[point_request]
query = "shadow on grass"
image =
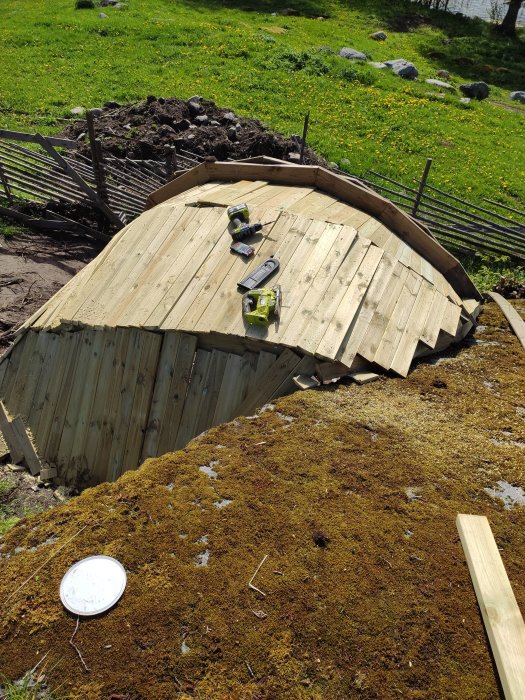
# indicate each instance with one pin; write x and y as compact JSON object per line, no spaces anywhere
{"x":303,"y":8}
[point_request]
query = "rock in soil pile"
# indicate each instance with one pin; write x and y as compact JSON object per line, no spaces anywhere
{"x":146,"y":130}
{"x":351,"y":492}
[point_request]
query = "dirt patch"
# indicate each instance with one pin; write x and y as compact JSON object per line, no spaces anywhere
{"x":18,"y":497}
{"x":365,"y":590}
{"x":145,"y":131}
{"x":33,"y":267}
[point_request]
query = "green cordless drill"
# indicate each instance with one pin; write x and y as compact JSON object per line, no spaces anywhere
{"x":239,"y":216}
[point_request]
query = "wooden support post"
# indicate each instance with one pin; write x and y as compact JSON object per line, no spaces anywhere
{"x":97,"y":158}
{"x":305,"y":132}
{"x":93,"y":196}
{"x":5,"y":184}
{"x":501,"y":615}
{"x":171,"y":162}
{"x":421,"y":186}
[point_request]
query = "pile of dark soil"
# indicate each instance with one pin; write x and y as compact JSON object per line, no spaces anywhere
{"x":510,"y":288}
{"x":352,"y":492}
{"x":146,"y":130}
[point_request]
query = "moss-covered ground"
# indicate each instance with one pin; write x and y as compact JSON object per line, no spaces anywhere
{"x":351,"y":492}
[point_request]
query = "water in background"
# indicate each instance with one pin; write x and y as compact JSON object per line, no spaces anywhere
{"x":483,"y":8}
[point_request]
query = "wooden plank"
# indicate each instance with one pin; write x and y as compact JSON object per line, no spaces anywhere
{"x":408,"y":342}
{"x":398,"y":321}
{"x":235,"y":193}
{"x":83,"y":389}
{"x":28,"y":450}
{"x":271,"y":380}
{"x":432,"y":325}
{"x":177,"y":395}
{"x":56,"y":413}
{"x":194,"y":399}
{"x":451,"y":318}
{"x":375,"y":292}
{"x":136,"y":342}
{"x":55,"y":348}
{"x":34,"y":373}
{"x":501,"y":614}
{"x":364,"y":377}
{"x":192,"y":178}
{"x":212,"y":388}
{"x":222,"y":305}
{"x":115,"y":286}
{"x":165,"y":371}
{"x":306,"y":365}
{"x":108,"y":406}
{"x":322,"y":267}
{"x":31,"y":138}
{"x":280,"y":197}
{"x":144,"y":387}
{"x":83,"y":452}
{"x":200,"y":241}
{"x":516,"y":322}
{"x":402,"y":225}
{"x":329,"y":303}
{"x":341,"y":323}
{"x":472,"y":307}
{"x":52,"y":415}
{"x":383,"y":312}
{"x":10,"y":436}
{"x":18,"y":391}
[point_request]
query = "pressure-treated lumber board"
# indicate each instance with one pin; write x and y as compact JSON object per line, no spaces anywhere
{"x":329,"y":302}
{"x":28,"y":449}
{"x":180,"y":382}
{"x":432,"y":325}
{"x":149,"y":359}
{"x":516,"y":322}
{"x":22,"y":375}
{"x":270,"y":381}
{"x":232,"y":194}
{"x":501,"y":615}
{"x":345,"y":313}
{"x":213,"y":383}
{"x":379,"y":322}
{"x":136,"y":342}
{"x":79,"y":348}
{"x":451,"y":318}
{"x":10,"y":436}
{"x":194,"y":399}
{"x":398,"y":320}
{"x":165,"y":371}
{"x":407,"y":344}
{"x":472,"y":307}
{"x":376,"y":289}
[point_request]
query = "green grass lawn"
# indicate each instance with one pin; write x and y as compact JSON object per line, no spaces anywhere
{"x":274,"y":67}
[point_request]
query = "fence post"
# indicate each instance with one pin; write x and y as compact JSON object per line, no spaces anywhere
{"x":98,"y":159}
{"x":305,"y":131}
{"x":421,"y":187}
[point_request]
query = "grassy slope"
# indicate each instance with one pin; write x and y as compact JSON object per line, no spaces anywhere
{"x":55,"y":57}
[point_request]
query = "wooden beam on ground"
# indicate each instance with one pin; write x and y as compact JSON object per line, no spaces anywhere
{"x":10,"y":436}
{"x":512,"y":316}
{"x":501,"y":615}
{"x":32,"y":138}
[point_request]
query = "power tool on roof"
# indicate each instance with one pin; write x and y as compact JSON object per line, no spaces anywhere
{"x":239,"y":216}
{"x":259,"y":304}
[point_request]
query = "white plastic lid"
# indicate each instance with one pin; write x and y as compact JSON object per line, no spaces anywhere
{"x":93,"y":585}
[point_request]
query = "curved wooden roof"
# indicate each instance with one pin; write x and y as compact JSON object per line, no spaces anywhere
{"x":359,"y":277}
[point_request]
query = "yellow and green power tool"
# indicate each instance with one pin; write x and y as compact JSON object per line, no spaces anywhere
{"x":259,"y":304}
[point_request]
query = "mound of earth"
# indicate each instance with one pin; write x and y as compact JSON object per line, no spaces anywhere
{"x":146,"y":130}
{"x":350,"y":492}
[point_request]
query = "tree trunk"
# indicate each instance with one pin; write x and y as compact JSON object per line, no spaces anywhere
{"x":508,"y":26}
